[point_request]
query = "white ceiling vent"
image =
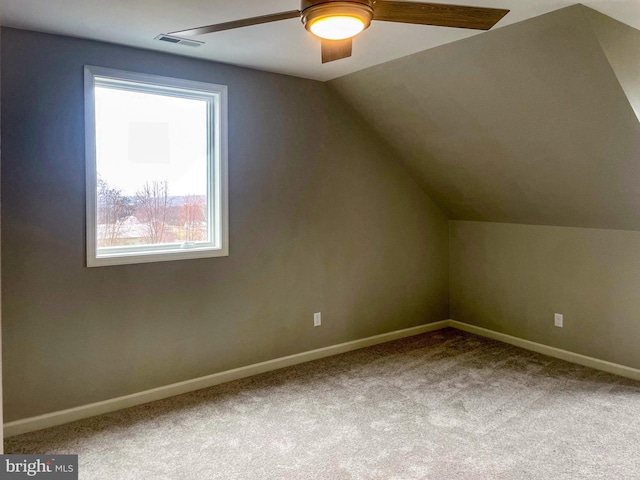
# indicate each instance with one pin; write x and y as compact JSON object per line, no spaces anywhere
{"x":178,"y":41}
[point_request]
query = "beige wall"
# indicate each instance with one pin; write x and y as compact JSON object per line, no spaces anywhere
{"x":528,"y":124}
{"x":322,"y":218}
{"x":513,"y":278}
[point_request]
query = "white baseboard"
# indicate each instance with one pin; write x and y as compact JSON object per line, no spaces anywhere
{"x":65,"y":416}
{"x":78,"y":413}
{"x":577,"y":358}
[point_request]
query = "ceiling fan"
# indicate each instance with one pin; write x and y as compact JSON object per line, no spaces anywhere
{"x":337,"y":22}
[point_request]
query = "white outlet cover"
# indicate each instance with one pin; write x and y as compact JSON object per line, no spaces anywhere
{"x":559,"y":320}
{"x":317,"y":319}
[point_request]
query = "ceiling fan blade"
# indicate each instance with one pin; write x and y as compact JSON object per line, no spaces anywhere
{"x":245,"y":22}
{"x":442,"y":15}
{"x":336,"y":49}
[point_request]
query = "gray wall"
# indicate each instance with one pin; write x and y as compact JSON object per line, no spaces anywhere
{"x":322,"y":219}
{"x":513,"y":278}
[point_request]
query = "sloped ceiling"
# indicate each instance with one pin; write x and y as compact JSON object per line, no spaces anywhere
{"x":621,"y":45}
{"x":531,"y":123}
{"x":284,"y":47}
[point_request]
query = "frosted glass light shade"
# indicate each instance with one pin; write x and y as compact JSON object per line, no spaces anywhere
{"x":338,"y":27}
{"x":337,"y":20}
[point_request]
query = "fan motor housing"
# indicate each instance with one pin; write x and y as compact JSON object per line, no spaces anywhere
{"x":310,"y":3}
{"x":315,"y":9}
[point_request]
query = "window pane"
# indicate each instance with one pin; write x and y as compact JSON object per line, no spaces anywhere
{"x":156,"y":152}
{"x":151,"y":165}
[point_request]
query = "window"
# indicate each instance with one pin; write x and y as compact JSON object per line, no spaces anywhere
{"x":156,"y":152}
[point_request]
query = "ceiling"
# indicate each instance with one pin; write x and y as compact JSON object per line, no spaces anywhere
{"x":283,"y":47}
{"x":532,"y":124}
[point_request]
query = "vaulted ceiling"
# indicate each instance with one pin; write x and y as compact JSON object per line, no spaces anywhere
{"x":531,"y":123}
{"x":535,"y":122}
{"x":283,"y":47}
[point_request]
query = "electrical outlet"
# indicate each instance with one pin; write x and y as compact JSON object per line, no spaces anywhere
{"x":317,"y":319}
{"x":559,"y":320}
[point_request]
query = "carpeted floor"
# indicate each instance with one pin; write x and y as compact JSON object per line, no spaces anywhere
{"x":444,"y":405}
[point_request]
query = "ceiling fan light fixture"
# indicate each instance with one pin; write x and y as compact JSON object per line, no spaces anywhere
{"x":337,"y":20}
{"x":337,"y":27}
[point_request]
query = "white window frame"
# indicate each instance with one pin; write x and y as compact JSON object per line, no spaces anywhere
{"x":217,"y":168}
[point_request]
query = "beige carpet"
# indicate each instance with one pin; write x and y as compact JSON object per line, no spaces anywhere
{"x":444,"y":405}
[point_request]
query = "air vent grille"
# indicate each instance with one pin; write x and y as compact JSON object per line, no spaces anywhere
{"x":178,"y":41}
